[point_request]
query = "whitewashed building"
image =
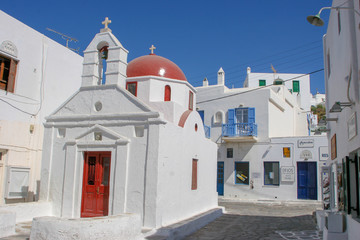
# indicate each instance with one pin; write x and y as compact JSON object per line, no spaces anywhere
{"x":341,"y":176}
{"x":36,"y":75}
{"x":298,"y":84}
{"x":129,"y":141}
{"x":264,"y":148}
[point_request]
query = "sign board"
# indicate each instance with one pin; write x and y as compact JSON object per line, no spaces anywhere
{"x":9,"y":47}
{"x":287,"y":174}
{"x":306,"y":143}
{"x":333,"y":147}
{"x":323,"y":153}
{"x":305,"y":154}
{"x":286,"y":152}
{"x":256,"y":175}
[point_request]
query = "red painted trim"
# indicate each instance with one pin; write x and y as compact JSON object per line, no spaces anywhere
{"x":135,"y":87}
{"x":183,"y":118}
{"x":191,"y":100}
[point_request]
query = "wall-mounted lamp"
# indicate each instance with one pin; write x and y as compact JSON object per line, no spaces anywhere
{"x":339,"y":106}
{"x":321,"y":130}
{"x":317,"y":21}
{"x":331,"y":119}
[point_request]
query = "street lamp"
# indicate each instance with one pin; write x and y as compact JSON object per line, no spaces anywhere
{"x":317,"y":21}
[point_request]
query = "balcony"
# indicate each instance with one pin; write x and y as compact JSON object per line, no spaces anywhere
{"x":207,"y":131}
{"x":239,"y":132}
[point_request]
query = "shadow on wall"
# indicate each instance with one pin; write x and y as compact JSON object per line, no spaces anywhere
{"x":30,"y":196}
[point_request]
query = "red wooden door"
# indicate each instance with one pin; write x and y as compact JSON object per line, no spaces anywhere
{"x":95,"y":192}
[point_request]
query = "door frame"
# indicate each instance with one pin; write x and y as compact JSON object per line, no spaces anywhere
{"x":85,"y":156}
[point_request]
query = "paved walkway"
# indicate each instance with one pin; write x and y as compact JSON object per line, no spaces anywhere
{"x":267,"y":220}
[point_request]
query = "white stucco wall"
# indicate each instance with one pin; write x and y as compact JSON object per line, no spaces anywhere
{"x":258,"y":153}
{"x":304,"y":81}
{"x":178,"y":147}
{"x":47,"y":74}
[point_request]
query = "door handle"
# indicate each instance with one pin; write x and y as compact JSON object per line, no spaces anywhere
{"x":97,"y":190}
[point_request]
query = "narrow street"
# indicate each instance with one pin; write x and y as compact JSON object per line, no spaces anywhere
{"x":266,"y":220}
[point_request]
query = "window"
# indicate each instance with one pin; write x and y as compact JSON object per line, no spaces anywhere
{"x":241,"y":115}
{"x":194,"y":174}
{"x":262,"y":82}
{"x":132,"y":87}
{"x":167,"y":94}
{"x":191,"y":100}
{"x":296,"y":86}
{"x":271,"y":173}
{"x":351,"y":186}
{"x":7,"y":74}
{"x":229,"y":152}
{"x":242,"y":173}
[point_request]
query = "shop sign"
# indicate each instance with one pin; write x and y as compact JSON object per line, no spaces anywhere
{"x":286,"y":152}
{"x":305,"y":154}
{"x":323,"y":153}
{"x":9,"y":47}
{"x":287,"y":174}
{"x":306,"y":143}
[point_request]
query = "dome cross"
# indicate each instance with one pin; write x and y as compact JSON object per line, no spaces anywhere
{"x":152,"y":48}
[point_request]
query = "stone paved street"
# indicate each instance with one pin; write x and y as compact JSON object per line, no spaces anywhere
{"x":266,"y":220}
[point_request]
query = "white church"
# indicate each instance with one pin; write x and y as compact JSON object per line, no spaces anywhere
{"x":128,"y":148}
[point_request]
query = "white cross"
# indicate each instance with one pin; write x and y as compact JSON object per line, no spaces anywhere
{"x":106,"y":22}
{"x":152,"y":49}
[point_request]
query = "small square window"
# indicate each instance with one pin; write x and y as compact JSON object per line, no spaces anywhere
{"x":262,"y":82}
{"x":286,"y":152}
{"x":132,"y":87}
{"x":229,"y":153}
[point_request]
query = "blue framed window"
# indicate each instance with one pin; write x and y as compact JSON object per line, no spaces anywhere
{"x":241,"y":115}
{"x":242,"y":173}
{"x":271,"y":173}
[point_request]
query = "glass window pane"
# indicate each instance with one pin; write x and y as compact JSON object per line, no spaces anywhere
{"x":91,"y":170}
{"x":271,"y":173}
{"x":106,"y":171}
{"x":242,"y":173}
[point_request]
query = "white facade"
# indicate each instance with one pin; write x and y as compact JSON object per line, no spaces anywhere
{"x":45,"y":74}
{"x":161,"y":165}
{"x":341,"y":55}
{"x":298,"y":84}
{"x":268,"y":132}
{"x":317,"y":99}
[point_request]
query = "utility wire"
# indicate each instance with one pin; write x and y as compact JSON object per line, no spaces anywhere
{"x":255,"y":89}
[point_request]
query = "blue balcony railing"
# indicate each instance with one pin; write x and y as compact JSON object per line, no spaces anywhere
{"x":239,"y":130}
{"x":207,"y":131}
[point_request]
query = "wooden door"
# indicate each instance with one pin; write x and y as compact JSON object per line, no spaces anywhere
{"x":307,"y":180}
{"x":95,"y":192}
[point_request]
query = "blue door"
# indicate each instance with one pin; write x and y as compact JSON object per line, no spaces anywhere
{"x":220,"y":178}
{"x":202,"y":115}
{"x":307,"y":180}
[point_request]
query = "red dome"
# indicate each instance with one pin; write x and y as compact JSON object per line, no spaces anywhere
{"x":153,"y":65}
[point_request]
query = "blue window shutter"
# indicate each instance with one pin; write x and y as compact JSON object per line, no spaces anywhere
{"x":251,"y":115}
{"x":202,"y":115}
{"x":231,"y":116}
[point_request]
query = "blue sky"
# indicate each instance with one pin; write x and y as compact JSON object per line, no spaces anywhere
{"x":199,"y":36}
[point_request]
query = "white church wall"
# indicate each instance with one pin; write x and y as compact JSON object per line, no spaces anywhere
{"x":41,"y":85}
{"x":179,"y":146}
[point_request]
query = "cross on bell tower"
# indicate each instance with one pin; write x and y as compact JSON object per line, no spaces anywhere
{"x":106,"y":22}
